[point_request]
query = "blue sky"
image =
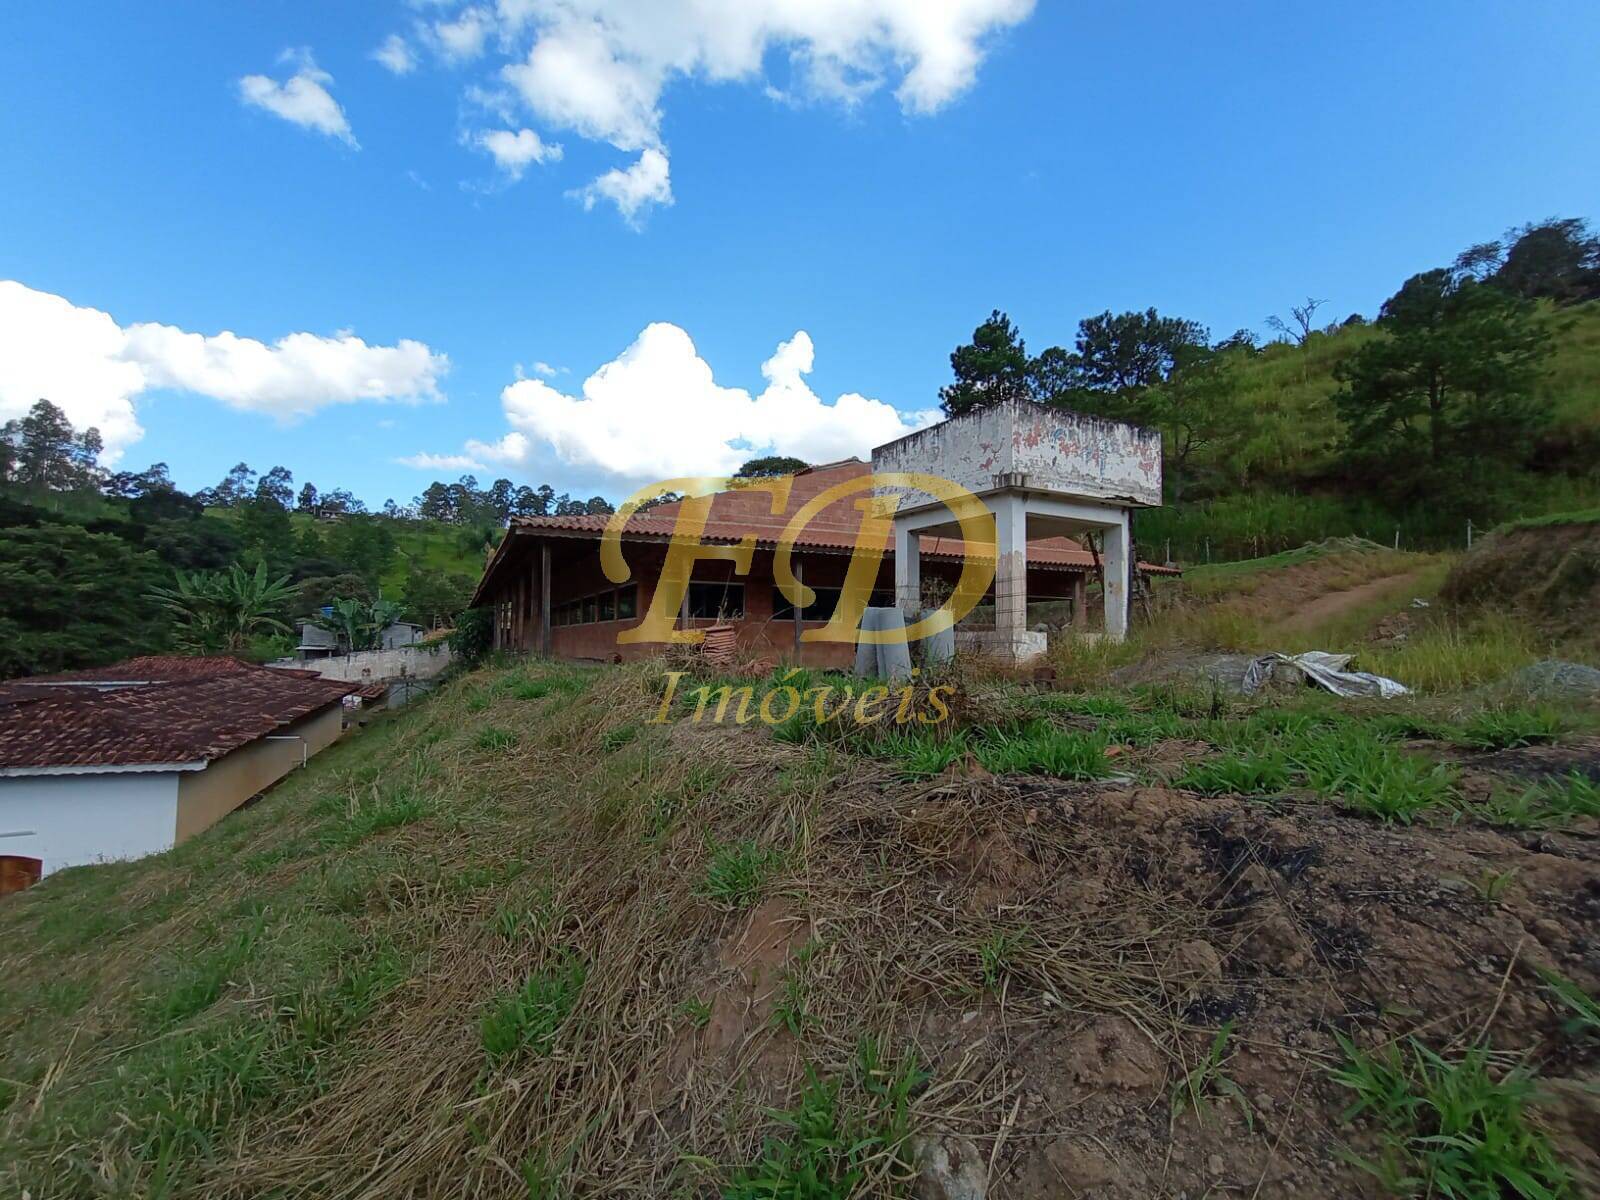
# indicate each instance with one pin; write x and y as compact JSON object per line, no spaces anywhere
{"x":846,"y":181}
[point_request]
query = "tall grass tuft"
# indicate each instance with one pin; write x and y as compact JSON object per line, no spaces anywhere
{"x":1449,"y":1127}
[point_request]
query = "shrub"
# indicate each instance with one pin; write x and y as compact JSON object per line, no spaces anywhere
{"x":473,"y":636}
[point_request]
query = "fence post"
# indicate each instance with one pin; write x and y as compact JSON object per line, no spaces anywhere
{"x":1208,"y":549}
{"x":1397,"y":537}
{"x":1469,"y":533}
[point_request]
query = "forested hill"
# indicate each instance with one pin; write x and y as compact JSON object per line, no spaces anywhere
{"x":1472,"y":395}
{"x":96,"y":567}
{"x":1283,"y":481}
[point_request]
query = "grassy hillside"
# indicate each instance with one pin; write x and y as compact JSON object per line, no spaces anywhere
{"x":520,"y":942}
{"x":1273,"y":494}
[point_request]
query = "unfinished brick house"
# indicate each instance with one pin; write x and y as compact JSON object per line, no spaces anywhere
{"x":551,"y":597}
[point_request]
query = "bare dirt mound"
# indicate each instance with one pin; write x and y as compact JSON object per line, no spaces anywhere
{"x":1546,"y":571}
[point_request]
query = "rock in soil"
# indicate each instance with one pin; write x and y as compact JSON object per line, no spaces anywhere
{"x":949,"y":1167}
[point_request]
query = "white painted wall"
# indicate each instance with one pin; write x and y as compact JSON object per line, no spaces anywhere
{"x":373,"y":666}
{"x":68,"y":820}
{"x":1058,"y":451}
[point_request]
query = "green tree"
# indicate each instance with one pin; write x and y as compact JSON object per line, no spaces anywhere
{"x":531,"y":502}
{"x":73,"y":599}
{"x":359,"y":624}
{"x":1123,"y":352}
{"x":277,"y":485}
{"x":266,"y":534}
{"x":1199,"y":409}
{"x":432,"y":597}
{"x":237,"y":485}
{"x":192,"y":544}
{"x":225,"y":611}
{"x":770,"y":465}
{"x":364,"y":542}
{"x":44,"y":451}
{"x":1445,"y":403}
{"x":1557,"y":259}
{"x":991,"y":369}
{"x":316,"y":592}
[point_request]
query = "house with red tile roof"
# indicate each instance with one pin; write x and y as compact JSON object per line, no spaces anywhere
{"x":132,"y":758}
{"x":551,"y":596}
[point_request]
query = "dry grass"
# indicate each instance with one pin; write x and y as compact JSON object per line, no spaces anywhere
{"x":418,"y":875}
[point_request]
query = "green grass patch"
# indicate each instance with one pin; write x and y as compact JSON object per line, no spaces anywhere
{"x":736,"y":873}
{"x":527,"y":1020}
{"x":833,"y":1142}
{"x":1041,"y":749}
{"x":1256,"y":773}
{"x":1548,"y":804}
{"x":1370,"y":775}
{"x":922,"y":752}
{"x":1452,"y":657}
{"x":1449,"y":1127}
{"x":493,"y":738}
{"x":1505,"y":727}
{"x":389,"y":808}
{"x":202,"y":980}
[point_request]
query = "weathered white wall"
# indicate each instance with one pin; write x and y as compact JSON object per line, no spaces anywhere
{"x":1057,"y":451}
{"x":205,"y":797}
{"x":371,"y":666}
{"x":78,"y":819}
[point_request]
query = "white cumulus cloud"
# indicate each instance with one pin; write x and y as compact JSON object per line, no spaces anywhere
{"x":441,"y":462}
{"x":600,"y":69}
{"x":395,"y":54}
{"x":303,"y":99}
{"x":657,"y":412}
{"x":633,"y":189}
{"x":462,"y":39}
{"x":95,"y":370}
{"x":513,"y":152}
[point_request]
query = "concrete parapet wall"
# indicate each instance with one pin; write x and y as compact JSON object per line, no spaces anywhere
{"x":1054,"y":450}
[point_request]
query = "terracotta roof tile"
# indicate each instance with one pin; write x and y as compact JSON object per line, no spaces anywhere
{"x":743,"y":511}
{"x":128,"y":715}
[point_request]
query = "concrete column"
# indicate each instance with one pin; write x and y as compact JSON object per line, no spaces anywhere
{"x":1114,"y":562}
{"x":1011,"y":567}
{"x":1080,"y":600}
{"x":907,"y":568}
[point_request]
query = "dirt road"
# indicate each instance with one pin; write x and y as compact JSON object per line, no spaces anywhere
{"x":1322,"y":609}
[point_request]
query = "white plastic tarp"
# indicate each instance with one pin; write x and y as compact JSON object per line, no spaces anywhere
{"x":1325,"y":670}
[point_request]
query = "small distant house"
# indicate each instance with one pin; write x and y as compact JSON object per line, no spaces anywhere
{"x":401,"y":633}
{"x":131,"y":759}
{"x":317,"y":642}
